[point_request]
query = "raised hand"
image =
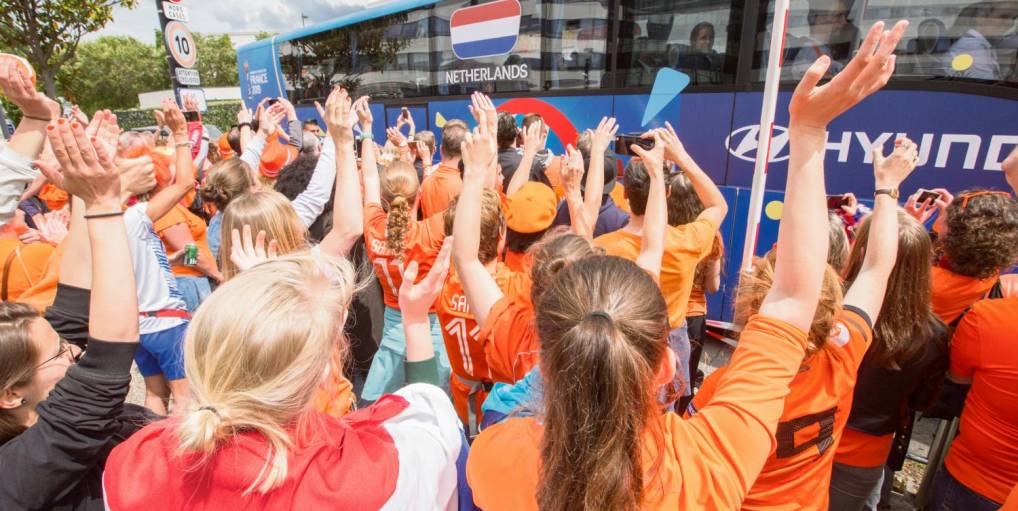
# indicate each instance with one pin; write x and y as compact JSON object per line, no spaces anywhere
{"x":246,"y":253}
{"x":483,"y":111}
{"x":86,"y":169}
{"x":921,"y":211}
{"x":190,"y":103}
{"x":816,"y":106}
{"x":572,"y":171}
{"x":268,"y":121}
{"x":890,"y":171}
{"x":340,"y":116}
{"x":480,"y":154}
{"x":534,"y":138}
{"x":16,"y":85}
{"x":603,"y":135}
{"x":137,"y":175}
{"x":396,"y":137}
{"x":175,"y":119}
{"x":291,"y":112}
{"x":78,"y":115}
{"x":415,"y":299}
{"x":653,"y":159}
{"x":362,"y":109}
{"x":244,"y":115}
{"x":423,"y":151}
{"x":674,"y":150}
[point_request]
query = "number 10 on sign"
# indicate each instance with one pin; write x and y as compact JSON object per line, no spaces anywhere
{"x":181,"y":44}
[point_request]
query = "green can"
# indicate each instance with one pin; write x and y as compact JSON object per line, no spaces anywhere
{"x":191,"y":254}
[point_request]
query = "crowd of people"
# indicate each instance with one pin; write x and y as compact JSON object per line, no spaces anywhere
{"x":343,"y":323}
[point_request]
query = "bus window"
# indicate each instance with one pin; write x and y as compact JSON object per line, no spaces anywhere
{"x":515,"y":71}
{"x":698,"y":38}
{"x":970,"y":41}
{"x":574,"y":42}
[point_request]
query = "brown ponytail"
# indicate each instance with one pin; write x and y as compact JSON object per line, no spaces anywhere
{"x":603,"y":326}
{"x":18,"y":357}
{"x":399,"y":189}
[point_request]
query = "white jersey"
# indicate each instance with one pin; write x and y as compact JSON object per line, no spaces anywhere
{"x":157,"y":287}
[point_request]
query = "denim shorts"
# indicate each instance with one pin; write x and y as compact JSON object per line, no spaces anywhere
{"x":949,"y":494}
{"x":162,"y":352}
{"x":388,"y":368}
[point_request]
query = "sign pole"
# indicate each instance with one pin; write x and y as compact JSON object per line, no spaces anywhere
{"x":775,"y":56}
{"x":181,"y":51}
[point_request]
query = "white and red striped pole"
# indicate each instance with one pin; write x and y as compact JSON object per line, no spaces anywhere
{"x":775,"y":57}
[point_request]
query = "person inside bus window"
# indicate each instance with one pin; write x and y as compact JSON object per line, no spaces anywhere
{"x":976,"y":29}
{"x":831,"y":33}
{"x":701,"y":61}
{"x":928,"y":47}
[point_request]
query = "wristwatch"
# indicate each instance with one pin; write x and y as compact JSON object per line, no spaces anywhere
{"x":893,"y":192}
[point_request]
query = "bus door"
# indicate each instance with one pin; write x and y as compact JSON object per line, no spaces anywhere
{"x":418,"y":112}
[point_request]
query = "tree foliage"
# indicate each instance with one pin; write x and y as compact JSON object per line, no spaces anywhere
{"x":217,"y":60}
{"x":47,"y":32}
{"x":110,"y":71}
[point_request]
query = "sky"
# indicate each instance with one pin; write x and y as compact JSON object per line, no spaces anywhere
{"x":220,"y":16}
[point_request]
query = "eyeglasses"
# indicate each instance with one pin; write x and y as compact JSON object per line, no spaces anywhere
{"x":65,"y":350}
{"x":965,"y":197}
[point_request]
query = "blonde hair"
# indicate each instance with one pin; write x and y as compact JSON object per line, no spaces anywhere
{"x":256,"y":353}
{"x":265,"y":210}
{"x":399,"y":190}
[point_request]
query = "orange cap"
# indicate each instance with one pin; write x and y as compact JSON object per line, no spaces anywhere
{"x":532,"y":208}
{"x":225,"y":151}
{"x":276,"y":156}
{"x":26,"y":68}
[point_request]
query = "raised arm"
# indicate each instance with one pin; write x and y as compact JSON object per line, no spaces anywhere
{"x":90,"y":174}
{"x":601,"y":137}
{"x":479,"y":157}
{"x":347,"y":215}
{"x":415,"y":300}
{"x":17,"y":154}
{"x":293,"y":129}
{"x":183,"y":177}
{"x":251,"y":153}
{"x":655,"y":220}
{"x":572,"y":174}
{"x":714,"y":205}
{"x":802,"y":249}
{"x":1010,"y":167}
{"x":532,"y":143}
{"x":870,"y":285}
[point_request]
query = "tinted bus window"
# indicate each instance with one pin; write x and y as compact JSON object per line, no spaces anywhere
{"x":969,"y":41}
{"x":699,"y":38}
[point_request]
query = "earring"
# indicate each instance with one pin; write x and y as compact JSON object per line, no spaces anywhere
{"x":24,"y":401}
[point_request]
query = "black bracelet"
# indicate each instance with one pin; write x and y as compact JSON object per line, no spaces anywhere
{"x":104,"y":215}
{"x":241,"y":125}
{"x":34,"y":118}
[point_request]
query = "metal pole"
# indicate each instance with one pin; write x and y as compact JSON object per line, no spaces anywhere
{"x":174,"y":85}
{"x":779,"y":26}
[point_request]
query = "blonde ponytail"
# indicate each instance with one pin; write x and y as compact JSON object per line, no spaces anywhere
{"x":399,"y":189}
{"x":256,"y":353}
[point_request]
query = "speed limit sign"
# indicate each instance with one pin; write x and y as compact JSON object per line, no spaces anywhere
{"x":181,"y":44}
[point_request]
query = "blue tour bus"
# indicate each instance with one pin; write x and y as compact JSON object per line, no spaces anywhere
{"x":576,"y":61}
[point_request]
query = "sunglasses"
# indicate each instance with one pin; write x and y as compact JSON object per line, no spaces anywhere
{"x":965,"y":197}
{"x":65,"y":349}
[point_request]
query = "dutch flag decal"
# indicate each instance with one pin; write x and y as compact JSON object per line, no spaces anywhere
{"x":485,"y":30}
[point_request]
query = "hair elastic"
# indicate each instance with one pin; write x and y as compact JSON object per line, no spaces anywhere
{"x":211,"y":409}
{"x":600,"y":314}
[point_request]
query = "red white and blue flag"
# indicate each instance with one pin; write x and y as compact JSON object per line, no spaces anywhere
{"x":485,"y":30}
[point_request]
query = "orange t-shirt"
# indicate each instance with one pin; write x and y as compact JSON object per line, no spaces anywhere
{"x":685,"y":246}
{"x":54,"y":197}
{"x":439,"y":189}
{"x":460,"y":329}
{"x":509,"y":337}
{"x":858,"y":449}
{"x":984,"y":456}
{"x":422,"y":244}
{"x":1012,"y":501}
{"x":180,"y":215}
{"x":708,"y":461}
{"x":953,"y":293}
{"x":335,"y":395}
{"x":618,"y":194}
{"x":44,"y":292}
{"x":815,"y":412}
{"x":28,"y":265}
{"x":516,"y":261}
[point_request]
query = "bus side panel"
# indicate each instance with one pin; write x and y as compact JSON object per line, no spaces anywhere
{"x":962,"y":140}
{"x":566,"y":117}
{"x":718,"y":304}
{"x":697,"y":118}
{"x":259,"y":72}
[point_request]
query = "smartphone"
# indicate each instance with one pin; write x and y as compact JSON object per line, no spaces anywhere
{"x":927,"y":196}
{"x":272,"y":101}
{"x":836,"y":201}
{"x":405,"y":114}
{"x":622,"y":143}
{"x":191,"y":117}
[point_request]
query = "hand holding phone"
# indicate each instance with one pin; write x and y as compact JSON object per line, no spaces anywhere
{"x":924,"y":196}
{"x":622,"y":143}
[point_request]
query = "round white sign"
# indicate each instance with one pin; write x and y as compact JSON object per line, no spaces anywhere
{"x":181,"y":44}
